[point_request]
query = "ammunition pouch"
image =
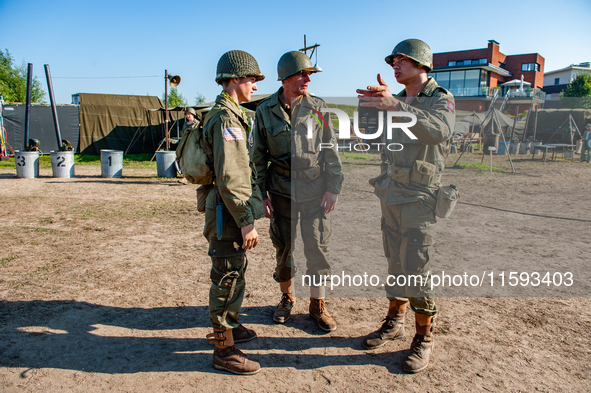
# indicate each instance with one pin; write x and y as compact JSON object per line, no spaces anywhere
{"x":422,"y":172}
{"x":399,"y":174}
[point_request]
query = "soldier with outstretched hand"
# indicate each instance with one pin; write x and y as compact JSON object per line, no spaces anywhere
{"x":407,"y":188}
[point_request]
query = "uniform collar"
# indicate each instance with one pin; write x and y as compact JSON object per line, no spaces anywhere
{"x":223,"y":101}
{"x":277,"y":105}
{"x":428,"y":90}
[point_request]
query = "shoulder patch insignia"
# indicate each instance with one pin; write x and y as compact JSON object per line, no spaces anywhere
{"x":251,"y":139}
{"x":232,"y":134}
{"x":451,"y":106}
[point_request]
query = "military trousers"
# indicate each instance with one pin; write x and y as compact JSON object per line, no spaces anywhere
{"x":228,"y":265}
{"x":315,"y":230}
{"x":586,"y":149}
{"x":408,"y":230}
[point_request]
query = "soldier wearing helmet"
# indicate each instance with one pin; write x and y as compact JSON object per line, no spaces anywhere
{"x":407,"y":188}
{"x":190,"y":122}
{"x":301,"y":182}
{"x":237,"y":198}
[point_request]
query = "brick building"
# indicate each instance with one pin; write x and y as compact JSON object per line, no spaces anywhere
{"x":473,"y":75}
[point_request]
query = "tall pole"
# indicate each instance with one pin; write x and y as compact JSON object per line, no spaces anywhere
{"x":58,"y":134}
{"x":514,"y":123}
{"x":166,"y":107}
{"x":531,"y":105}
{"x":28,"y":107}
{"x":535,"y":124}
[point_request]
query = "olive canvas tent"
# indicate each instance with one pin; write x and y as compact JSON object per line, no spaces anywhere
{"x":120,"y":122}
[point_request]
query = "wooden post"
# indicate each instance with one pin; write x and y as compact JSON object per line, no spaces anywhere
{"x":535,"y":124}
{"x":514,"y":123}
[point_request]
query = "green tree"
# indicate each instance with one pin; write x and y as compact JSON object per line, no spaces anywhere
{"x":13,"y":81}
{"x":175,"y":98}
{"x":578,"y":92}
{"x":199,"y":99}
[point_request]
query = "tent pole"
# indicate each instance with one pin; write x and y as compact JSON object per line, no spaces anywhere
{"x":166,"y":107}
{"x":28,"y":107}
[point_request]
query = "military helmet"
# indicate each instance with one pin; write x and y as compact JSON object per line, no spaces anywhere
{"x":414,"y":49}
{"x":237,"y":64}
{"x":293,"y":62}
{"x":191,"y":111}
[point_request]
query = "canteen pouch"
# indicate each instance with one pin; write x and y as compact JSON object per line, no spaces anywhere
{"x":447,"y":197}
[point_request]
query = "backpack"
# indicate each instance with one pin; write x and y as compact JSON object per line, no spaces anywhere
{"x":191,"y":156}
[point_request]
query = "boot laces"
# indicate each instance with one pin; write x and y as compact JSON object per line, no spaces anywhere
{"x":236,"y":351}
{"x":386,"y":324}
{"x":285,"y":300}
{"x":321,"y":307}
{"x":418,"y":344}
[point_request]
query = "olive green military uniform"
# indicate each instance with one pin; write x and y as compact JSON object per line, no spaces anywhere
{"x":408,"y":189}
{"x":296,"y":179}
{"x":225,"y":143}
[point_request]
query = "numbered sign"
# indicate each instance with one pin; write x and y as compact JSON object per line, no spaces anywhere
{"x":62,"y":163}
{"x":27,"y":164}
{"x":111,"y":163}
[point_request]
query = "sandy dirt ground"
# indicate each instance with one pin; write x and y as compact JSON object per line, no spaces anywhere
{"x":104,"y":286}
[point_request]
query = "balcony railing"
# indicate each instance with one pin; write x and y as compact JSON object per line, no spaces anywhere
{"x":489,"y":92}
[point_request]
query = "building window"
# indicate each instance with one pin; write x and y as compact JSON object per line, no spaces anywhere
{"x":451,"y":63}
{"x":501,"y":65}
{"x":442,"y":79}
{"x":556,"y":81}
{"x":530,"y":67}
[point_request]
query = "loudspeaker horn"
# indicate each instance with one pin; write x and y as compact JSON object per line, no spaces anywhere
{"x":174,"y":80}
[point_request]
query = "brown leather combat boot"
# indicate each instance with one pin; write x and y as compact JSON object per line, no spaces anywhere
{"x":392,"y":328}
{"x":421,"y":348}
{"x":229,"y":358}
{"x":283,"y":311}
{"x":242,"y":334}
{"x":319,"y":313}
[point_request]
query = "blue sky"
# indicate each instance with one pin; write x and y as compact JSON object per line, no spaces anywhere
{"x":103,"y":47}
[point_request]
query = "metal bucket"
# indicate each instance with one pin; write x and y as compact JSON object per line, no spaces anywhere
{"x":62,"y":163}
{"x":533,"y":145}
{"x":524,"y":148}
{"x":453,"y":149}
{"x":111,"y":163}
{"x":165,"y":163}
{"x":569,"y":154}
{"x":514,"y":148}
{"x":503,"y":148}
{"x":27,"y":164}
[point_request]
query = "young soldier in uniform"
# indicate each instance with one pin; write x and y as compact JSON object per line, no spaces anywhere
{"x":301,"y":182}
{"x":407,"y":188}
{"x":234,"y":203}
